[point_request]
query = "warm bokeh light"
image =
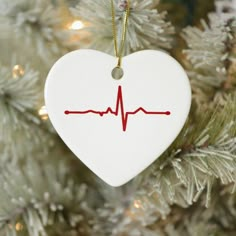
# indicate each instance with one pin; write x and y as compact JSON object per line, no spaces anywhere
{"x":19,"y":227}
{"x":43,"y":113}
{"x":137,"y":204}
{"x":17,"y":71}
{"x":76,"y":25}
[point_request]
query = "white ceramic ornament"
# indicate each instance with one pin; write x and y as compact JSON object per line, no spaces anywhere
{"x":117,"y":127}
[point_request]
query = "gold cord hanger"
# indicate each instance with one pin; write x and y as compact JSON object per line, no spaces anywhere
{"x":117,"y":72}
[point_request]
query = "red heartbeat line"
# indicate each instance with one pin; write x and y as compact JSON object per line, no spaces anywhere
{"x":119,"y":109}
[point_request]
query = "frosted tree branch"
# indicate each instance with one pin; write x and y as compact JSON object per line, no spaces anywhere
{"x":147,"y":28}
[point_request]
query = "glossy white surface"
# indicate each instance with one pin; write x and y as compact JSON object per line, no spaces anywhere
{"x":81,"y":80}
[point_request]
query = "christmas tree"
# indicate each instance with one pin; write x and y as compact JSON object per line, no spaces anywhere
{"x":189,"y":190}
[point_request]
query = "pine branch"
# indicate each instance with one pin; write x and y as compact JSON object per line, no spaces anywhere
{"x":218,"y":219}
{"x":147,"y":27}
{"x":200,"y":155}
{"x":21,"y":128}
{"x":39,"y":195}
{"x":41,"y":26}
{"x":211,"y":57}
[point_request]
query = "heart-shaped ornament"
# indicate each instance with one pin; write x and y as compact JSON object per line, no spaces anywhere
{"x":117,"y":127}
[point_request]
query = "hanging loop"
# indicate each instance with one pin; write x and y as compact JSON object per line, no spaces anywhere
{"x":119,"y":52}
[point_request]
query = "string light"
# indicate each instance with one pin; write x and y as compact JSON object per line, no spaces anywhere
{"x":137,"y":204}
{"x":17,"y":71}
{"x":43,"y":113}
{"x":19,"y":227}
{"x":76,"y":25}
{"x":136,"y":210}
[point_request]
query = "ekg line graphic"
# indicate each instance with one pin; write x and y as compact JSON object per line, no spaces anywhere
{"x":119,"y":109}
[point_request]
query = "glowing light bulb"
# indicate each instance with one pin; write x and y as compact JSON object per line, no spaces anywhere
{"x":137,"y":204}
{"x":43,"y":113}
{"x":17,"y":71}
{"x":76,"y":25}
{"x":19,"y":227}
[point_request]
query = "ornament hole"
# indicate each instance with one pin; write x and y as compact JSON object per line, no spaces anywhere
{"x":117,"y":73}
